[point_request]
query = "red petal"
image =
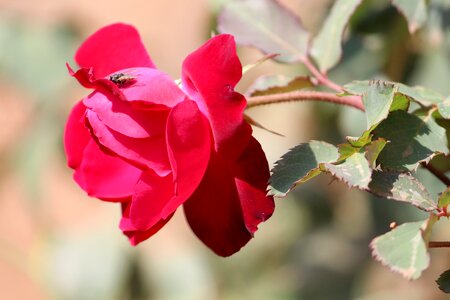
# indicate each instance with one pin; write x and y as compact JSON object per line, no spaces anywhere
{"x":134,"y":235}
{"x":189,"y":144}
{"x":252,"y":174}
{"x":113,"y":48}
{"x":124,"y":118}
{"x":76,"y":135}
{"x":105,"y":176}
{"x":230,"y":202}
{"x":209,"y":77}
{"x":147,"y":153}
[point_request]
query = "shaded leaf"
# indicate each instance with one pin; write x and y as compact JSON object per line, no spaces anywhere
{"x":412,"y":139}
{"x":300,"y":164}
{"x":444,"y":198}
{"x":415,"y":12}
{"x":266,"y":25}
{"x":403,"y":250}
{"x":444,"y":282}
{"x":354,"y":171}
{"x":373,"y":150}
{"x":401,"y":187}
{"x":276,"y":84}
{"x":326,"y":47}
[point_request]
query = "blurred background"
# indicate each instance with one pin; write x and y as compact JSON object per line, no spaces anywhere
{"x":57,"y":243}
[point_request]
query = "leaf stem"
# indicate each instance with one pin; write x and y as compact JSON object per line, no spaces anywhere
{"x":321,"y":78}
{"x":441,"y":176}
{"x":353,"y":101}
{"x":437,"y":244}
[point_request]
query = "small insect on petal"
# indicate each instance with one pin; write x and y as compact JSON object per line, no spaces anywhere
{"x":121,"y":79}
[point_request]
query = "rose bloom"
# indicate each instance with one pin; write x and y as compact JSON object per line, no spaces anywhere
{"x":142,"y":140}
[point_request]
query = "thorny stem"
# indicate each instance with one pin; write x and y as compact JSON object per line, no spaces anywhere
{"x":354,"y":101}
{"x":438,"y":244}
{"x":441,"y":176}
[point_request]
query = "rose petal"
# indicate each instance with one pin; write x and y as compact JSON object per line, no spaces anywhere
{"x":251,"y":176}
{"x":226,"y":208}
{"x":134,"y":235}
{"x":105,"y":176}
{"x":209,"y":77}
{"x":113,"y":48}
{"x":146,"y":153}
{"x":76,"y":135}
{"x":125,"y":119}
{"x":151,"y":86}
{"x":189,"y":144}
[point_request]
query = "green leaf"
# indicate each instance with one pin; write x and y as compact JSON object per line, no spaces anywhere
{"x":377,"y":100}
{"x":444,"y":108}
{"x":403,"y":250}
{"x":266,"y":25}
{"x":299,"y":165}
{"x":326,"y":47}
{"x":444,"y":282}
{"x":373,"y":151}
{"x":421,"y":95}
{"x":401,"y":187}
{"x":354,"y":171}
{"x":444,"y":198}
{"x":276,"y":84}
{"x":361,"y":141}
{"x":412,"y":139}
{"x":415,"y":12}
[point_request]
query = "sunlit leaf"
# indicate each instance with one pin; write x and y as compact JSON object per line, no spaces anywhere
{"x":354,"y":171}
{"x":266,"y":25}
{"x":276,"y":84}
{"x":412,"y":139}
{"x":373,"y":151}
{"x":444,"y":198}
{"x":415,"y":12}
{"x":403,"y":250}
{"x":326,"y":47}
{"x":299,"y":165}
{"x":401,"y":187}
{"x":444,"y":108}
{"x":377,"y":100}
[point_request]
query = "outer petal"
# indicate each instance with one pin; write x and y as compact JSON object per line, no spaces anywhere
{"x":105,"y":176}
{"x":112,"y":48}
{"x":209,"y":77}
{"x":134,"y":235}
{"x":230,"y":202}
{"x":189,"y":145}
{"x":146,"y":153}
{"x":76,"y":135}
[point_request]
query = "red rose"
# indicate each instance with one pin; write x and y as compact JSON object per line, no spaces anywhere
{"x":142,"y":140}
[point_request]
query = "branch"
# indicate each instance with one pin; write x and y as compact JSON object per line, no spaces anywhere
{"x":353,"y":101}
{"x":441,"y":176}
{"x":438,"y":244}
